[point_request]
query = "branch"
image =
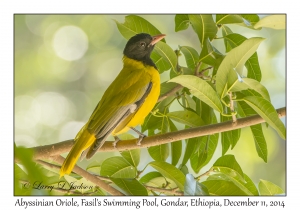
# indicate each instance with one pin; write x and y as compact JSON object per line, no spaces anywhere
{"x":169,"y":93}
{"x":173,"y":191}
{"x":44,"y":152}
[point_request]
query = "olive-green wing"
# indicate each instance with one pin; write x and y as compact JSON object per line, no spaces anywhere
{"x":121,"y":99}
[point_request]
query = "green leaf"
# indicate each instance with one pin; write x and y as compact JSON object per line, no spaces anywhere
{"x":249,"y":20}
{"x":191,"y":56}
{"x":245,"y":110}
{"x":207,"y":144}
{"x":166,"y":87}
{"x":34,"y":171}
{"x":206,"y":113}
{"x":260,"y":142}
{"x":272,"y":21}
{"x":226,"y":139}
{"x":190,"y":103}
{"x":19,"y":188}
{"x":159,"y":152}
{"x":225,"y":19}
{"x":79,"y":182}
{"x":117,"y":167}
{"x":184,"y":169}
{"x":266,"y":110}
{"x":235,"y":59}
{"x":253,"y":68}
{"x":204,"y":26}
{"x":155,"y":179}
{"x":269,"y":188}
{"x":150,"y":176}
{"x":222,"y":187}
{"x":19,"y":172}
{"x":248,"y":83}
{"x":226,"y":142}
{"x":130,"y":186}
{"x":252,"y":63}
{"x":225,"y":31}
{"x":153,"y":122}
{"x":235,"y":136}
{"x":250,"y":185}
{"x":229,"y":138}
{"x":234,"y":179}
{"x":191,"y":145}
{"x":163,"y":55}
{"x":205,"y":152}
{"x":227,"y":164}
{"x":246,"y":185}
{"x":176,"y":147}
{"x":181,"y":22}
{"x":192,"y":187}
{"x":209,"y":53}
{"x":201,"y":89}
{"x":252,"y":18}
{"x":217,"y":65}
{"x":186,"y":117}
{"x":132,"y":156}
{"x":170,"y":172}
{"x":199,"y":158}
{"x":135,"y":24}
{"x":182,"y":71}
{"x":94,"y":167}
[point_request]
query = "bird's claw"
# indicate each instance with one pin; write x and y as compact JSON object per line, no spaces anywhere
{"x":117,"y":139}
{"x":141,"y":137}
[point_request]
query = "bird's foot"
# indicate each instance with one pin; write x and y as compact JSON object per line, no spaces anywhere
{"x":141,"y":136}
{"x":117,"y":139}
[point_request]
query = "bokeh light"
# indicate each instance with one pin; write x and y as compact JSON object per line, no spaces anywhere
{"x":70,"y":43}
{"x":54,"y":108}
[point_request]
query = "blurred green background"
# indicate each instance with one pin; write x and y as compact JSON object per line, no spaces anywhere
{"x":64,"y":63}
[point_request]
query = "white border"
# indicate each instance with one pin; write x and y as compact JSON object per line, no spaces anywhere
{"x":8,"y":8}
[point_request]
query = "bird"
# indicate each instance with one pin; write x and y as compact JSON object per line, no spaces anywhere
{"x":124,"y":104}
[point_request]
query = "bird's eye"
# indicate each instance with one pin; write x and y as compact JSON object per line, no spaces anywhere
{"x":143,"y":44}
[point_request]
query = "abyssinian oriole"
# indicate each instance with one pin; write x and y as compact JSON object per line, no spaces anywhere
{"x":125,"y":103}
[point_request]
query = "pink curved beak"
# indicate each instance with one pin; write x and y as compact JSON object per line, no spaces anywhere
{"x":157,"y":38}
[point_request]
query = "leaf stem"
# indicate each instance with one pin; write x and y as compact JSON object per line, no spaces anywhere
{"x":204,"y":174}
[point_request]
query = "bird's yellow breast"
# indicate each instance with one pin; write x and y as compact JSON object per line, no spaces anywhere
{"x":152,"y":75}
{"x":151,"y":99}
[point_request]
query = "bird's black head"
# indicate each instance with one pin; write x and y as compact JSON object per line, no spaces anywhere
{"x":140,"y":46}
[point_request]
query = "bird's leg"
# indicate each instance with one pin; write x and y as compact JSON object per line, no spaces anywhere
{"x":141,"y":135}
{"x":117,"y":139}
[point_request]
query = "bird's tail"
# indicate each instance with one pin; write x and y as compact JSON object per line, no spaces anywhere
{"x":83,"y":140}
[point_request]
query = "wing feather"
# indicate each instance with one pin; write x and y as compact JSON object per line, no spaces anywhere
{"x":127,"y":89}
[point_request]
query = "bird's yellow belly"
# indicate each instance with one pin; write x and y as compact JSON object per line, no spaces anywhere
{"x":147,"y":106}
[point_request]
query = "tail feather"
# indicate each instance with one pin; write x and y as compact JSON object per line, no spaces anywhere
{"x":96,"y":145}
{"x":83,"y":141}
